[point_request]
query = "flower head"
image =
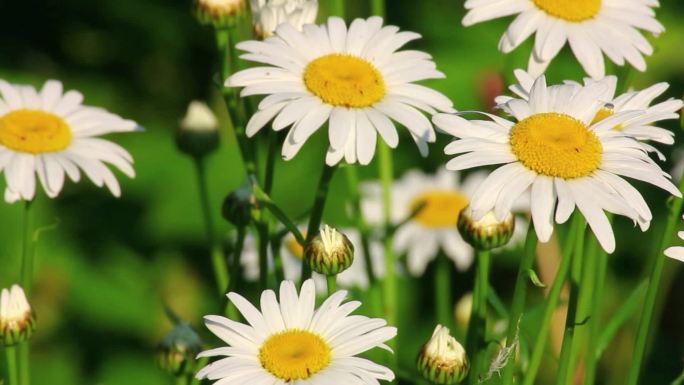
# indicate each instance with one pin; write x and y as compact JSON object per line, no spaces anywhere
{"x":291,"y":341}
{"x":435,"y":201}
{"x":17,"y":319}
{"x":220,"y":13}
{"x":353,"y":79}
{"x":51,"y":134}
{"x":269,"y":14}
{"x":590,"y":27}
{"x":640,"y":127}
{"x":197,"y":133}
{"x":488,"y":232}
{"x":330,"y":252}
{"x":557,"y":152}
{"x":443,"y":360}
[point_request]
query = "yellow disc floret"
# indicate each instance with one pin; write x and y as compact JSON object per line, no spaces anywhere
{"x":440,"y":209}
{"x":570,"y":10}
{"x":556,"y":145}
{"x":603,"y":113}
{"x":294,"y":355}
{"x":34,"y":132}
{"x":344,"y":81}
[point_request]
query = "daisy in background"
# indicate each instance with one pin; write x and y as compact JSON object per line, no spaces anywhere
{"x":676,"y":252}
{"x":590,"y":27}
{"x":292,"y":252}
{"x":290,"y":341}
{"x":51,"y":134}
{"x":268,"y":14}
{"x":556,"y":150}
{"x":639,"y":127}
{"x":354,"y":81}
{"x":443,"y":195}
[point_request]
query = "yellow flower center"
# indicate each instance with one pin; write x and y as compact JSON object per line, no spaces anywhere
{"x":344,"y":81}
{"x":34,"y":131}
{"x":556,"y":145}
{"x":294,"y":355}
{"x":294,"y":247}
{"x":605,"y":113}
{"x":440,"y":208}
{"x":570,"y":10}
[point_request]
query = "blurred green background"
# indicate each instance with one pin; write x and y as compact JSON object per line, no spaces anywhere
{"x":105,"y":266}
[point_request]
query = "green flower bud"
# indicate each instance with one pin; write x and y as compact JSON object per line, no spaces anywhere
{"x":198,"y":135}
{"x":238,"y":206}
{"x":443,"y":360}
{"x":17,"y":319}
{"x":487,"y":233}
{"x":220,"y":13}
{"x":177,"y":351}
{"x":330,"y":252}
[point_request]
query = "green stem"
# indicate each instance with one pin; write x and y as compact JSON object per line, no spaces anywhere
{"x":518,"y":304}
{"x":640,"y":344}
{"x":317,"y":211}
{"x":337,"y":8}
{"x":12,"y":371}
{"x":270,"y":161}
{"x":477,"y":328}
{"x":332,"y":284}
{"x":552,"y":300}
{"x":386,"y":171}
{"x":378,"y":8}
{"x":355,"y":198}
{"x":443,"y":289}
{"x":264,"y":240}
{"x":218,"y":258}
{"x":565,"y":370}
{"x":277,"y":259}
{"x":231,"y":311}
{"x":181,"y":380}
{"x":27,"y":250}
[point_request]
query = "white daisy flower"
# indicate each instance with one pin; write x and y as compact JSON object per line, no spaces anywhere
{"x":444,"y":195}
{"x":291,"y":253}
{"x":354,"y":80}
{"x":50,"y":133}
{"x":291,"y":342}
{"x":268,"y":14}
{"x":555,"y":151}
{"x":640,"y":127}
{"x":676,"y":252}
{"x":591,"y":28}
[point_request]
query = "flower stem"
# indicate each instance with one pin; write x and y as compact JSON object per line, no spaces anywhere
{"x":675,"y":208}
{"x":519,"y":299}
{"x":317,"y":211}
{"x":12,"y":372}
{"x":270,"y":161}
{"x":337,"y":8}
{"x":477,"y":327}
{"x":231,"y":311}
{"x":552,"y":300}
{"x":355,"y":197}
{"x":594,"y":323}
{"x":443,"y":289}
{"x":378,"y":8}
{"x":278,"y":267}
{"x":27,"y":250}
{"x":332,"y":284}
{"x":386,"y":171}
{"x":218,"y":258}
{"x":565,"y":371}
{"x":262,"y":229}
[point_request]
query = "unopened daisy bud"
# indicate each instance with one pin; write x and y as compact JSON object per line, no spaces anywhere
{"x":443,"y":360}
{"x":487,"y":233}
{"x":268,"y":14}
{"x":330,"y":252}
{"x":462,"y":310}
{"x":197,"y":134}
{"x":220,"y":13}
{"x":238,"y":206}
{"x":177,"y":351}
{"x":17,"y":319}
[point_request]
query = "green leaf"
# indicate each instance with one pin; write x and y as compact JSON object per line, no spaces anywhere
{"x":620,"y":317}
{"x":535,"y":279}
